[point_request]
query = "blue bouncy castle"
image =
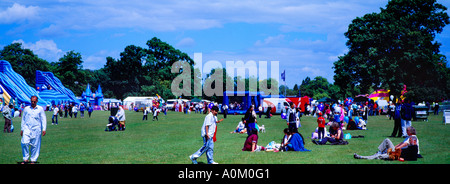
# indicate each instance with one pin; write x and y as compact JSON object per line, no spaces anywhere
{"x":92,"y":98}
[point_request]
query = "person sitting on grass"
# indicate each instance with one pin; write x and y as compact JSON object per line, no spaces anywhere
{"x":240,"y":127}
{"x":336,"y":136}
{"x":351,"y":125}
{"x":358,"y":124}
{"x":409,"y":148}
{"x":285,"y":139}
{"x":251,"y":143}
{"x":112,"y":123}
{"x":296,"y":142}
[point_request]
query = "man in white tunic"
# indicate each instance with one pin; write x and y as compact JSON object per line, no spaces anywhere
{"x":34,"y":123}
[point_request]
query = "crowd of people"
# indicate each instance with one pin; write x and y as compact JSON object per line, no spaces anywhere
{"x":69,"y":110}
{"x":338,"y":117}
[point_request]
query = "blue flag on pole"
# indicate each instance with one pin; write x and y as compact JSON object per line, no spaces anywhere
{"x":283,"y":75}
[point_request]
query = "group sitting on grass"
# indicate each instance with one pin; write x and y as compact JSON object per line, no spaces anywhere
{"x":294,"y":141}
{"x":291,"y":141}
{"x":335,"y":138}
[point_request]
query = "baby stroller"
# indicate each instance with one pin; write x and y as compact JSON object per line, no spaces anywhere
{"x":112,"y":123}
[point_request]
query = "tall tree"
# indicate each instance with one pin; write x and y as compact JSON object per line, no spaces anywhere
{"x":160,"y":58}
{"x":127,"y":73}
{"x":393,"y":48}
{"x":70,"y":71}
{"x":141,"y":71}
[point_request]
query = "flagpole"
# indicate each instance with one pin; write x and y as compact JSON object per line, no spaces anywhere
{"x":283,"y":77}
{"x":285,"y":85}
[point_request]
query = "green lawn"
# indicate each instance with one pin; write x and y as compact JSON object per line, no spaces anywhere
{"x":176,"y":136}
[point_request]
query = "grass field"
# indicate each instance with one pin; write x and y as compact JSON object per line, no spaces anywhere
{"x":176,"y":136}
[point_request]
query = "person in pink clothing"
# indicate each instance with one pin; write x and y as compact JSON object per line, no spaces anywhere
{"x":251,"y":143}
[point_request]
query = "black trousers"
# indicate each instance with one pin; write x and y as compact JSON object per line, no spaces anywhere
{"x":7,"y":127}
{"x":397,"y":128}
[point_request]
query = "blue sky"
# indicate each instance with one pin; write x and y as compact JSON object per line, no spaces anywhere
{"x":306,"y":37}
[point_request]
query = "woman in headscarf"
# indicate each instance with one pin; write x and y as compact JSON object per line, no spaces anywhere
{"x":296,"y":142}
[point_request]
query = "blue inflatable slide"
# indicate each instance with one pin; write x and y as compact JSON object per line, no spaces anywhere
{"x":16,"y":86}
{"x":52,"y":90}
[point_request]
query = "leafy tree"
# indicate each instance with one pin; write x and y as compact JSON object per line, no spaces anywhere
{"x":395,"y":47}
{"x":70,"y":71}
{"x":141,"y":71}
{"x":160,"y":58}
{"x":319,"y":87}
{"x":295,"y":88}
{"x":126,"y":74}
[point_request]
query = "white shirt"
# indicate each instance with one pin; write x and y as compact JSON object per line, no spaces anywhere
{"x":147,"y":110}
{"x":414,"y":137}
{"x":241,"y":125}
{"x":120,"y":115}
{"x":286,"y":138}
{"x":290,"y":111}
{"x":210,"y":121}
{"x":33,"y":120}
{"x":55,"y":111}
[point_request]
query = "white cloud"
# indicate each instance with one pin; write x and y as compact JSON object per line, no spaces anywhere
{"x":313,"y":71}
{"x":46,"y":49}
{"x":98,"y":59}
{"x":172,"y":15}
{"x":186,"y":42}
{"x":271,"y":40}
{"x":18,"y":13}
{"x":52,"y":31}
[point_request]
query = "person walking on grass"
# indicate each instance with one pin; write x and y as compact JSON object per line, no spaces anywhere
{"x":34,"y":124}
{"x":208,"y":131}
{"x":7,"y":114}
{"x":55,"y":115}
{"x":397,"y":120}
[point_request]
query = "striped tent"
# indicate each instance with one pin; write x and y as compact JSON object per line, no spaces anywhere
{"x":380,"y":94}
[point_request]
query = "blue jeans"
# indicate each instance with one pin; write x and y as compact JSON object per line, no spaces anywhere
{"x":53,"y":119}
{"x":208,"y":147}
{"x":405,"y":124}
{"x":250,"y":127}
